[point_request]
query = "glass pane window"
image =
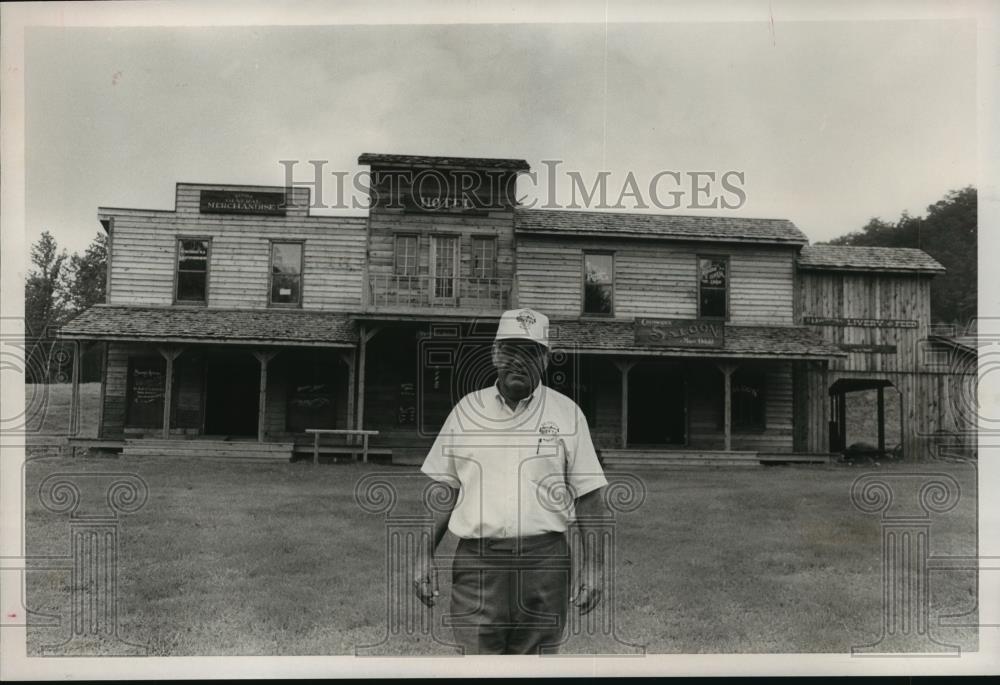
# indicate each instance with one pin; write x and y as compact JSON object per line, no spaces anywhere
{"x":444,"y":266}
{"x":747,"y":400}
{"x":286,"y":273}
{"x":713,"y":282}
{"x":192,"y":270}
{"x":406,"y":255}
{"x":483,"y":257}
{"x":598,"y":283}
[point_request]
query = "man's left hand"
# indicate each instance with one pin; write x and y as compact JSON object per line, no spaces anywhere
{"x":587,"y":593}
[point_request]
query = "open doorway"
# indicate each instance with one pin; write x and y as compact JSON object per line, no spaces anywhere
{"x":866,"y":417}
{"x":232,"y":393}
{"x":657,"y":405}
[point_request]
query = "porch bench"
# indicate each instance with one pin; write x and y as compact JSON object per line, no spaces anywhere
{"x":362,"y":449}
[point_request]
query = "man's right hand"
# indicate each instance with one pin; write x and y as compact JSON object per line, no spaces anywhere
{"x":425,"y":582}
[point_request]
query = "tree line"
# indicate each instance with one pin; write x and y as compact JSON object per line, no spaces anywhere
{"x":948,"y":234}
{"x":58,"y":287}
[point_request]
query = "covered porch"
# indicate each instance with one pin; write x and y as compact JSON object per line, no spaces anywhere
{"x":729,"y":403}
{"x":223,"y":382}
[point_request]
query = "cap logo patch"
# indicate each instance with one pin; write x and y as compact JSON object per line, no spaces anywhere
{"x":526,"y":319}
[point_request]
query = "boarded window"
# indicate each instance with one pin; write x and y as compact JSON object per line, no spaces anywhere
{"x":484,"y":257}
{"x":713,"y":284}
{"x":598,"y":283}
{"x":286,"y":273}
{"x":192,"y":270}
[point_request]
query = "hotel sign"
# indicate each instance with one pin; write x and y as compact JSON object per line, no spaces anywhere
{"x":858,"y":323}
{"x":242,"y":202}
{"x":679,"y":333}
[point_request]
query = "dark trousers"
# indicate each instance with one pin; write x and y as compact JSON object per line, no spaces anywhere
{"x":510,"y":596}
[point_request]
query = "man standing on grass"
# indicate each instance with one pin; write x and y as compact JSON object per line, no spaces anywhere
{"x":521,"y":467}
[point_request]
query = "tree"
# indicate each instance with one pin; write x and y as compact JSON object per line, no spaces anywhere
{"x":84,"y":281}
{"x":44,"y":306}
{"x":947,"y":233}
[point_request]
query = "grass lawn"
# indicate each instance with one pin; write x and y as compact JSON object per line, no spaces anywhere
{"x":278,"y":559}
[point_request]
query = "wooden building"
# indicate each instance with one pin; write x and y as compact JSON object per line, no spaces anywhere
{"x":227,"y":319}
{"x":237,"y":318}
{"x":874,"y":303}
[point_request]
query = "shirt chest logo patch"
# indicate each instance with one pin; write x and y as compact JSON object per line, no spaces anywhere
{"x":549,"y":431}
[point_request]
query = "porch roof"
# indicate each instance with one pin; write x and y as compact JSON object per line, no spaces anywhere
{"x":757,"y":342}
{"x":279,"y":327}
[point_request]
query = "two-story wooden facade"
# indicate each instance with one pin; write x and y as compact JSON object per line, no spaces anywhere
{"x":239,"y":318}
{"x":227,"y":318}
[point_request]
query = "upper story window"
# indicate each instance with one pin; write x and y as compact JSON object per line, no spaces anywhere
{"x":286,"y":273}
{"x":192,"y":270}
{"x":713,"y":287}
{"x":484,"y":257}
{"x":405,"y":260}
{"x":598,"y":282}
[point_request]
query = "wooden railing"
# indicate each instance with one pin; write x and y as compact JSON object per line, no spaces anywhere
{"x":388,"y":290}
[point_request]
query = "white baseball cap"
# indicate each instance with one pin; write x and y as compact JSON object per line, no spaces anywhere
{"x":524,"y":324}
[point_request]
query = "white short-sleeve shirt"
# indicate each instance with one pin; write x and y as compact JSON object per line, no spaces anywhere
{"x":519,"y":470}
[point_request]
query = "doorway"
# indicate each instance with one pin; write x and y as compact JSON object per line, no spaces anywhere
{"x":232,"y":393}
{"x":657,"y":405}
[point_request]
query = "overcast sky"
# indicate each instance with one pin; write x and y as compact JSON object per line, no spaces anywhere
{"x":832,"y":123}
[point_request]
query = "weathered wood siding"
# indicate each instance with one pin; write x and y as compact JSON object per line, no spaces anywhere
{"x":869,"y":296}
{"x":385,"y":225}
{"x":706,"y":430}
{"x":938,"y":409}
{"x":143,"y":254}
{"x":656,"y":279}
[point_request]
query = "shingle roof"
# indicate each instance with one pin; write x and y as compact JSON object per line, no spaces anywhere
{"x":775,"y":342}
{"x":443,"y":162}
{"x":259,"y":326}
{"x":665,"y":226}
{"x":857,"y":258}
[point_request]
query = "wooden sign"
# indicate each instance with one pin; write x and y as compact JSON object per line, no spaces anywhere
{"x":147,"y":385}
{"x":858,"y":322}
{"x":442,"y":191}
{"x":873,"y":349}
{"x":242,"y":202}
{"x":679,"y":333}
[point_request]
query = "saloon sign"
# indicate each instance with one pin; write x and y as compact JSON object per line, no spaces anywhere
{"x":678,"y":333}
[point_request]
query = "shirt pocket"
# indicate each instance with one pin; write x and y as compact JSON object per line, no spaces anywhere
{"x":543,"y":474}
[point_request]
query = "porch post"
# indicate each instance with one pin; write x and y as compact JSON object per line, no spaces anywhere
{"x":263,"y":358}
{"x":881,"y":421}
{"x":74,"y":398}
{"x":624,"y":366}
{"x":169,"y":353}
{"x":104,"y":387}
{"x":366,"y":335}
{"x":727,"y":410}
{"x":349,"y":358}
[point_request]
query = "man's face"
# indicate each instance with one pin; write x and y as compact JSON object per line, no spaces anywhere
{"x":520,"y":365}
